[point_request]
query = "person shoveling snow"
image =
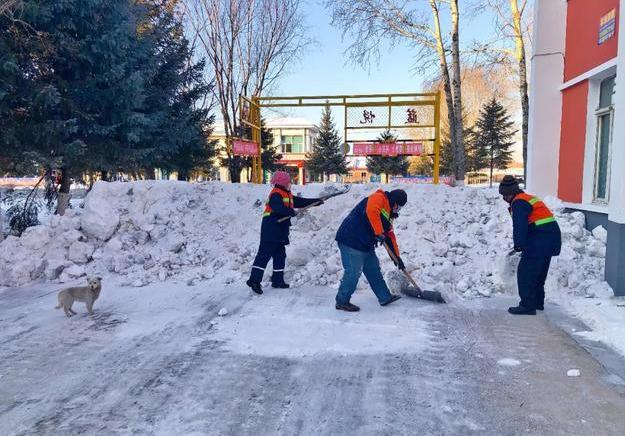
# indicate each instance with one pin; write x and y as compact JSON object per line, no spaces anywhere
{"x":274,"y":231}
{"x":368,"y":224}
{"x":537,"y":237}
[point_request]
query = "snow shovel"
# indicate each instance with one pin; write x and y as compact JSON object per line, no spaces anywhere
{"x":345,"y":190}
{"x":415,"y":290}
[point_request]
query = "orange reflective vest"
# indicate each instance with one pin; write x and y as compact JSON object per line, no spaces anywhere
{"x":540,"y":213}
{"x":287,"y":198}
{"x":378,"y":213}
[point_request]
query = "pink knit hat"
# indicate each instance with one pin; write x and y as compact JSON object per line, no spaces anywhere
{"x":281,"y":178}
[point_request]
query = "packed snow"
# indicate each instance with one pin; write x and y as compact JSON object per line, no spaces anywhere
{"x":453,"y":240}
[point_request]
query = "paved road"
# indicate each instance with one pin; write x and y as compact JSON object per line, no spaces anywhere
{"x":161,"y":361}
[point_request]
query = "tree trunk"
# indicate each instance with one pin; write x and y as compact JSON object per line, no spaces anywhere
{"x":459,"y":152}
{"x":440,"y":49}
{"x":522,"y":60}
{"x":1,"y":221}
{"x":149,"y":173}
{"x":235,"y":172}
{"x":104,"y":175}
{"x":182,"y":175}
{"x":492,"y":164}
{"x":63,"y":197}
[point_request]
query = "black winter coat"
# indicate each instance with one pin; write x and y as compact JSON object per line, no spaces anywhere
{"x":273,"y":231}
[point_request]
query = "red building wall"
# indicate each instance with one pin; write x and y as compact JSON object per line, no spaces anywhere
{"x":572,"y":142}
{"x":583,"y":53}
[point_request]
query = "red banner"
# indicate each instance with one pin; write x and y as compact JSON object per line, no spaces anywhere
{"x":244,"y":148}
{"x":384,"y":149}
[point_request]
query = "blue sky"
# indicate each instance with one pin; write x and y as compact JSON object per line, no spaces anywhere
{"x":325,"y":69}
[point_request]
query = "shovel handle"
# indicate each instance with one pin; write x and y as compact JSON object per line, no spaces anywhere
{"x":317,"y":203}
{"x":284,"y":218}
{"x":406,"y":273}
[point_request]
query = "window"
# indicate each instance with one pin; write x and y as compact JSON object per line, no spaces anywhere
{"x":292,"y":143}
{"x":605,"y":117}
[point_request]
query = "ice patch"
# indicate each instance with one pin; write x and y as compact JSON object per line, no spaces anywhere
{"x":508,"y":362}
{"x":308,"y":325}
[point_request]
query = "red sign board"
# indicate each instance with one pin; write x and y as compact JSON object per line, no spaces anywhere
{"x":244,"y":148}
{"x":384,"y":149}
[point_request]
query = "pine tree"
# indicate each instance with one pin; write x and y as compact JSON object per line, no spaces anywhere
{"x":269,"y":156}
{"x":388,"y":165}
{"x":494,"y":133}
{"x":81,"y":84}
{"x":99,"y":86}
{"x":177,"y":94}
{"x":477,"y":158}
{"x":327,"y":157}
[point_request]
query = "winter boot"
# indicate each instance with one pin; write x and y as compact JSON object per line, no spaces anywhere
{"x":347,"y":307}
{"x":521,"y":310}
{"x":281,"y":285}
{"x":392,"y":299}
{"x":255,"y":286}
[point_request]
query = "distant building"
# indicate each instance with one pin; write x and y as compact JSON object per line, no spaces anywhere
{"x":292,"y":137}
{"x":358,"y":172}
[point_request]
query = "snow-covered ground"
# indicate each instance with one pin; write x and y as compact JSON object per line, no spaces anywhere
{"x":179,"y":345}
{"x":161,"y":360}
{"x":455,"y":240}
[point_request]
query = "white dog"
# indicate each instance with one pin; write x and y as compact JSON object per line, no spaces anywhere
{"x":87,"y":294}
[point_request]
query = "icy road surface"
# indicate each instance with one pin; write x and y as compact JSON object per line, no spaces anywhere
{"x":160,"y":360}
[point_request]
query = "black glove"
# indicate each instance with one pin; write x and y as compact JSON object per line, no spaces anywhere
{"x":400,"y":264}
{"x":380,"y":239}
{"x":394,"y":215}
{"x":518,"y":249}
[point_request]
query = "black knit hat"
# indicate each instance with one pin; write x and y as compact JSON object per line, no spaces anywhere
{"x":509,"y":186}
{"x":398,"y":196}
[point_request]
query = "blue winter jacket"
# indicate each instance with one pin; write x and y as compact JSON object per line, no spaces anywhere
{"x":534,"y":241}
{"x":356,"y":230}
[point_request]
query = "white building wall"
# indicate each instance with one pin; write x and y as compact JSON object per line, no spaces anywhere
{"x":547,"y":74}
{"x":617,"y":171}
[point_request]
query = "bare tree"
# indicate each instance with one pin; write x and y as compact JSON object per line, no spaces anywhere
{"x":512,"y":22}
{"x":249,"y":44}
{"x":371,"y":23}
{"x":9,"y":6}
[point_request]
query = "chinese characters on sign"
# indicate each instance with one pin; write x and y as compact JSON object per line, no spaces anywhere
{"x":413,"y":148}
{"x":368,"y":117}
{"x":384,"y":149}
{"x":411,"y":116}
{"x":244,"y":148}
{"x":607,"y":26}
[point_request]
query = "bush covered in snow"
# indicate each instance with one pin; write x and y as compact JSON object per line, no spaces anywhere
{"x":455,"y":240}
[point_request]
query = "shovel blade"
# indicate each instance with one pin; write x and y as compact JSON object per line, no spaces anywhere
{"x":434,"y":296}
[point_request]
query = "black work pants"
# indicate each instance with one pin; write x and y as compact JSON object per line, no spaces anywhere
{"x":531,"y":277}
{"x":266,"y":251}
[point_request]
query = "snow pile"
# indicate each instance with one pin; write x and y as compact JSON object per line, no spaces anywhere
{"x":454,"y":240}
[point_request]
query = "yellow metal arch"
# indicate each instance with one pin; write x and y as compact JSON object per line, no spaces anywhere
{"x":250,"y":116}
